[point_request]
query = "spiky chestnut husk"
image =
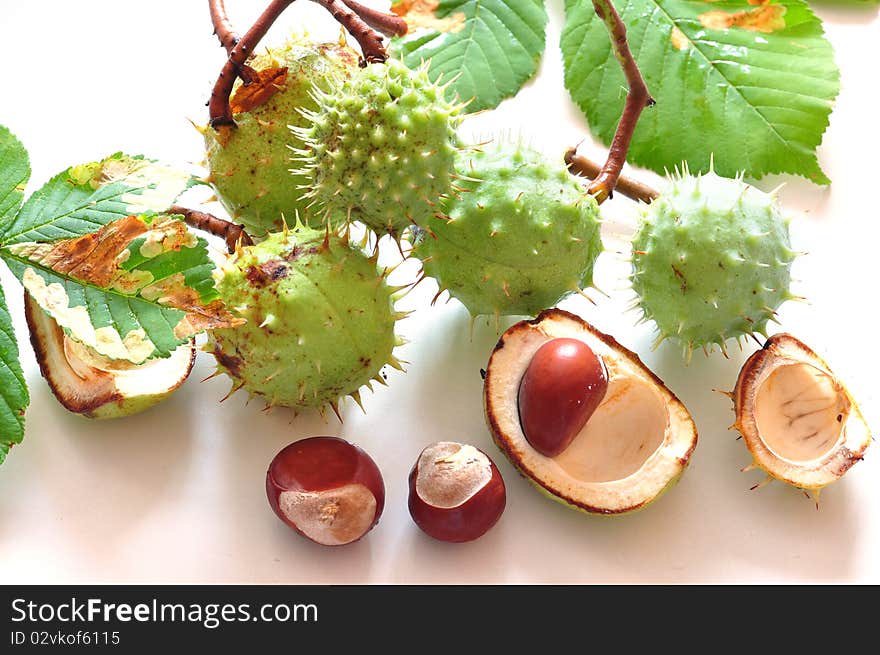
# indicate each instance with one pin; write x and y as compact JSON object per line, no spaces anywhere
{"x":380,"y":148}
{"x":320,"y":319}
{"x":711,"y":261}
{"x":522,"y":235}
{"x":250,"y":163}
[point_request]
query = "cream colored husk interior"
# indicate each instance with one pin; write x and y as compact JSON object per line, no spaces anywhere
{"x":796,"y":417}
{"x":800,"y":412}
{"x":154,"y":376}
{"x":633,"y":446}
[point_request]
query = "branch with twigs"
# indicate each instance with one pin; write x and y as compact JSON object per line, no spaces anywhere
{"x":358,"y":20}
{"x":584,"y":167}
{"x":218,"y":106}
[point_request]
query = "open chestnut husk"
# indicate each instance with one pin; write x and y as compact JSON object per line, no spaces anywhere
{"x":632,"y":446}
{"x":799,"y":422}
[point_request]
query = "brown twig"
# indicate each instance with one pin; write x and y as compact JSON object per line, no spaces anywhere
{"x":222,"y":27}
{"x":228,"y":37}
{"x":218,"y":106}
{"x":368,"y":39}
{"x":386,"y":23}
{"x":232,"y":233}
{"x":580,"y":165}
{"x":637,"y":98}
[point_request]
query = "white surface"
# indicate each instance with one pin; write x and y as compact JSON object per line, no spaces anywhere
{"x":176,"y":494}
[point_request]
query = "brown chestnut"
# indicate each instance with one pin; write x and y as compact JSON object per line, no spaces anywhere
{"x":456,"y":492}
{"x":327,"y":489}
{"x":561,"y":388}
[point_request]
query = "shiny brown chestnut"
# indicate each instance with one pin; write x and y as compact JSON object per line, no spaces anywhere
{"x":563,"y":385}
{"x":327,"y":489}
{"x":456,"y":493}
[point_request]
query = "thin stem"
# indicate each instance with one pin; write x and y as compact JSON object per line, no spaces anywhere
{"x":232,"y":233}
{"x":368,"y":39}
{"x":580,"y":165}
{"x":222,"y":27}
{"x":386,"y":23}
{"x":218,"y":106}
{"x":637,"y":98}
{"x":227,"y":36}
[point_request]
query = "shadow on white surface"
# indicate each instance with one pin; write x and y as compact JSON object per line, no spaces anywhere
{"x":678,"y":540}
{"x":299,"y":559}
{"x":483,"y":561}
{"x":108,"y":477}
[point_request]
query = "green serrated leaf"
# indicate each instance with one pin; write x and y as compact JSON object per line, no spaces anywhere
{"x":15,"y":169}
{"x":84,"y":198}
{"x":489,"y":47}
{"x":14,"y":396}
{"x":757,"y":94}
{"x":135,"y":289}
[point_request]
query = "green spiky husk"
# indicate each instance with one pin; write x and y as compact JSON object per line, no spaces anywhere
{"x":250,"y":163}
{"x":521,"y":236}
{"x":320,"y":319}
{"x":711,"y":260}
{"x":381,"y":147}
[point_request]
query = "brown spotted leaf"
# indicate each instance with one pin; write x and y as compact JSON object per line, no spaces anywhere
{"x":766,"y":18}
{"x":82,"y":198}
{"x":748,"y":82}
{"x":422,"y":14}
{"x":135,"y":289}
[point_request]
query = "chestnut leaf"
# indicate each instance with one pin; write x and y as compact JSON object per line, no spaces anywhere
{"x":15,"y":171}
{"x":135,"y":289}
{"x":487,"y":48}
{"x":95,"y":251}
{"x":14,"y":396}
{"x":750,"y":83}
{"x":83,"y":198}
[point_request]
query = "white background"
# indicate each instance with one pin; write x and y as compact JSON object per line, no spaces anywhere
{"x":176,"y":494}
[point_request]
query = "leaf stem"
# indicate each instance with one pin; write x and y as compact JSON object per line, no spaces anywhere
{"x":637,"y":98}
{"x":232,"y":233}
{"x":584,"y":167}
